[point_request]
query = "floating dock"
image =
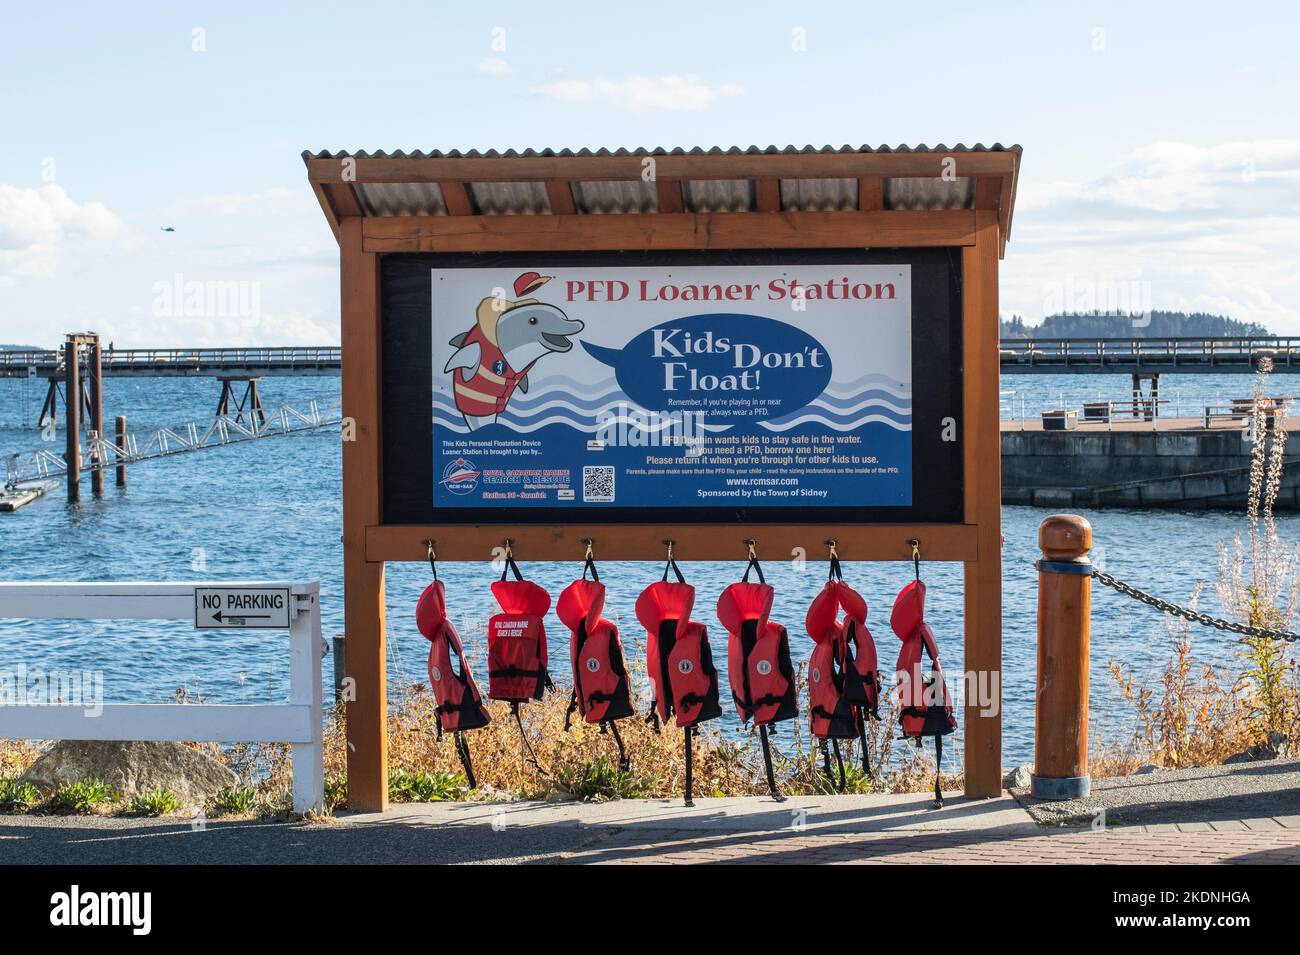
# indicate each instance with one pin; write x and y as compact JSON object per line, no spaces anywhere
{"x":13,"y":498}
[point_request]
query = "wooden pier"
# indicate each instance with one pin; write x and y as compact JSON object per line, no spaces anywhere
{"x":182,"y":362}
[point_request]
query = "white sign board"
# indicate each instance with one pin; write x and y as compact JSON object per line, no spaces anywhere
{"x":241,"y":608}
{"x":747,"y":386}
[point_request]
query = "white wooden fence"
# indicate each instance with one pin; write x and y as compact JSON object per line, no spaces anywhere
{"x":298,"y":722}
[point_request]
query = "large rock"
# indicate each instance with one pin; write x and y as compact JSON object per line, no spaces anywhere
{"x":132,"y":767}
{"x":1022,"y":777}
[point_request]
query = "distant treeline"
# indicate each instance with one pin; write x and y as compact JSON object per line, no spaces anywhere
{"x":4,"y":347}
{"x":1123,"y":325}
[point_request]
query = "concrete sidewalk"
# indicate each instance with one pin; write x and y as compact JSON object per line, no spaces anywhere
{"x":853,"y":829}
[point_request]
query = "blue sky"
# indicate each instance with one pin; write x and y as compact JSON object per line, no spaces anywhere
{"x":1162,"y":154}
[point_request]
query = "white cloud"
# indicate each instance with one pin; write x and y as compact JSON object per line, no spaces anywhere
{"x":1198,"y":228}
{"x":36,"y":225}
{"x":493,"y":66}
{"x":669,"y":92}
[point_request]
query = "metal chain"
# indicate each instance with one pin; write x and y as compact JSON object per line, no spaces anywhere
{"x":1164,"y":606}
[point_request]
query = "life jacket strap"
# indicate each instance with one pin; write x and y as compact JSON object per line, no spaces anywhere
{"x":518,"y":671}
{"x":750,"y":707}
{"x":756,"y":568}
{"x":568,"y":714}
{"x":511,"y":566}
{"x":462,"y":750}
{"x":672,"y":565}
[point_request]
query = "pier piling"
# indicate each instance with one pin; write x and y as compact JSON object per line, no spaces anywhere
{"x":72,"y":406}
{"x":120,"y":440}
{"x":1061,"y":693}
{"x":95,"y":381}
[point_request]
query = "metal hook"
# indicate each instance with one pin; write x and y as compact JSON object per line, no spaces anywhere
{"x":750,"y":542}
{"x":507,"y":542}
{"x":669,"y":542}
{"x":433,"y":557}
{"x":916,"y":556}
{"x":590,"y":553}
{"x":831,"y":542}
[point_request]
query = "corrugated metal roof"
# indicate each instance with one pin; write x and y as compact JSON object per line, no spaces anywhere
{"x":605,"y":196}
{"x":718,"y":195}
{"x":921,"y":194}
{"x":510,"y":198}
{"x":638,"y":196}
{"x":401,"y":198}
{"x":819,"y":195}
{"x":652,"y":151}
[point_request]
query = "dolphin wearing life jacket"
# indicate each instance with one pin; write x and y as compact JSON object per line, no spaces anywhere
{"x":494,"y":357}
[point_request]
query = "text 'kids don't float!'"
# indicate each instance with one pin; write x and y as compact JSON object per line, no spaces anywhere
{"x":770,"y":385}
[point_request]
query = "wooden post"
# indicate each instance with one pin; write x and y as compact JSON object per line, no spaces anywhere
{"x":72,"y":405}
{"x":340,"y":651}
{"x":95,"y":372}
{"x":982,"y":714}
{"x":1064,"y":599}
{"x":363,"y":581}
{"x":120,"y":441}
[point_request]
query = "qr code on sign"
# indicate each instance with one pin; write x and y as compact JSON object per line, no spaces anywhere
{"x":598,"y":484}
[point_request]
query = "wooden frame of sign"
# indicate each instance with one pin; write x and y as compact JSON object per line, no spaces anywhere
{"x":978,"y":227}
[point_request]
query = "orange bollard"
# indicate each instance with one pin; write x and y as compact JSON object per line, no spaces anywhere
{"x":1061,"y":696}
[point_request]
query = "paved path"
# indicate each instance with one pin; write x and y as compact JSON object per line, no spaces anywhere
{"x":848,"y":829}
{"x":1240,"y":794}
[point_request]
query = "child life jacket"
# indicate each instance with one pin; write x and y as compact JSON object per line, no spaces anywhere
{"x":459,"y":702}
{"x":486,"y":389}
{"x":517,"y":639}
{"x":678,"y":658}
{"x":600,"y":684}
{"x":926,"y":705}
{"x":843,"y":684}
{"x":758,"y":652}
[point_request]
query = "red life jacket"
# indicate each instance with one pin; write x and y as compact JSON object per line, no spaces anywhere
{"x":678,"y":658}
{"x":517,"y":639}
{"x":484,"y":391}
{"x":758,"y":654}
{"x":600,"y":684}
{"x":460,"y":704}
{"x":845,"y":650}
{"x":926,"y":704}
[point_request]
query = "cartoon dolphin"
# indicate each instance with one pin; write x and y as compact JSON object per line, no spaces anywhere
{"x":508,"y":338}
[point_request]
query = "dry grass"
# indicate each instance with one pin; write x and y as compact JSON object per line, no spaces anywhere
{"x":1203,"y":715}
{"x":723,"y":767}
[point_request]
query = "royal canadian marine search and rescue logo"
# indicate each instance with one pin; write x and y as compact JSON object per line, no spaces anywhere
{"x":460,"y":477}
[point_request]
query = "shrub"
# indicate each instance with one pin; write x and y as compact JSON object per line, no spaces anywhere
{"x":81,"y":797}
{"x":336,"y":791}
{"x":158,"y":801}
{"x":16,"y":796}
{"x":236,"y":800}
{"x":599,"y":781}
{"x":421,"y":786}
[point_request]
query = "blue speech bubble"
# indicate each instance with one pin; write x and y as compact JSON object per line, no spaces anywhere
{"x":730,"y":365}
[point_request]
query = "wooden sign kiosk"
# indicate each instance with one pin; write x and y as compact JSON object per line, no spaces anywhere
{"x":384,"y":207}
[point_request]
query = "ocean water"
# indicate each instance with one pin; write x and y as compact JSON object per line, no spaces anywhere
{"x":271,"y":509}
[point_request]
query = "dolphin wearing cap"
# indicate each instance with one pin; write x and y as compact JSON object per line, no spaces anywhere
{"x":508,"y":338}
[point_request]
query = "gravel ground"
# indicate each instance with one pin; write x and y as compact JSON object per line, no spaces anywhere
{"x":1257,"y":790}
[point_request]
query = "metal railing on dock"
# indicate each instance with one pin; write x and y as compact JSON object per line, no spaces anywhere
{"x":181,"y":362}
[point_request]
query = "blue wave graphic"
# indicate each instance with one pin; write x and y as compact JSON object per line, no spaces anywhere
{"x":881,"y":411}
